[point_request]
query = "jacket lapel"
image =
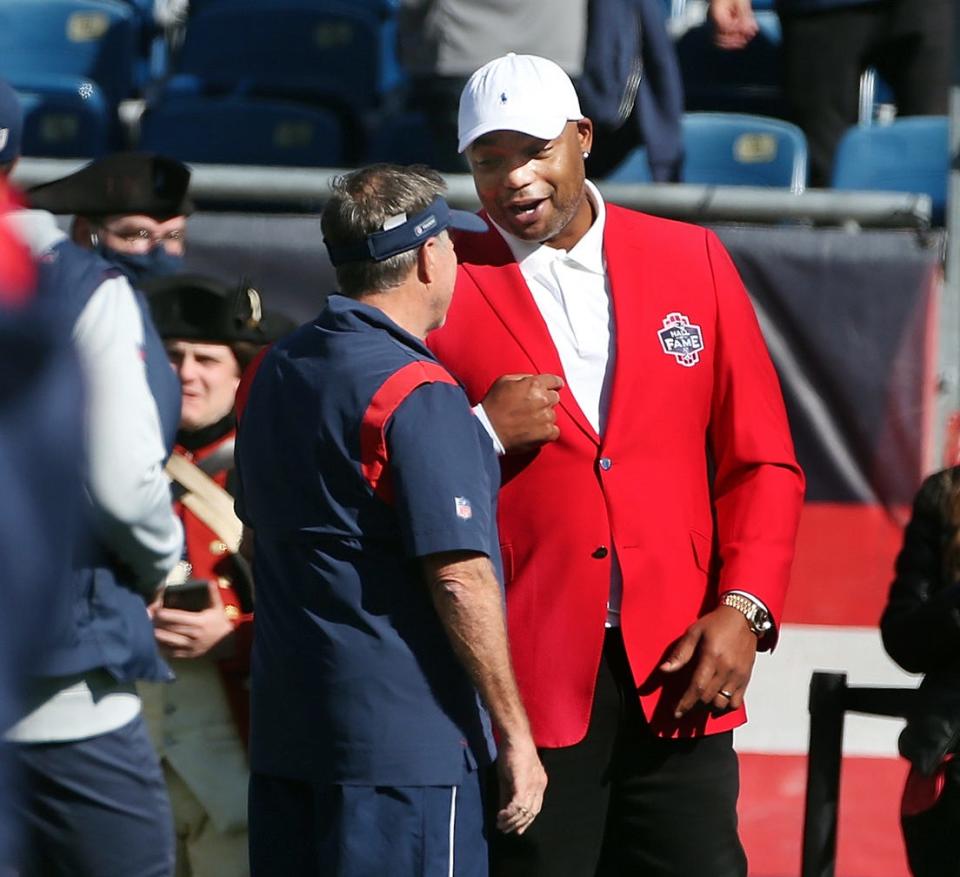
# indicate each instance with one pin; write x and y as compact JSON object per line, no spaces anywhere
{"x":626,"y":274}
{"x":500,"y":282}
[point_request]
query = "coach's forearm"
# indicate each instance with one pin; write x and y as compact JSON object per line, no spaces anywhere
{"x":468,"y":600}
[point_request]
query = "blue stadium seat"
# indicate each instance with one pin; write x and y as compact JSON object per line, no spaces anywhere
{"x":911,"y":154}
{"x":633,"y":169}
{"x":730,"y":149}
{"x":65,"y":117}
{"x":404,"y":138}
{"x":744,"y":81}
{"x":237,"y":130}
{"x":331,"y":50}
{"x":93,"y":39}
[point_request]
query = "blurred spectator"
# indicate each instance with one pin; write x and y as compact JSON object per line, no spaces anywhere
{"x":131,"y":207}
{"x":443,"y":41}
{"x":199,"y":724}
{"x":631,"y":87}
{"x":95,"y":799}
{"x":921,"y":632}
{"x":827,"y":44}
{"x":40,"y":466}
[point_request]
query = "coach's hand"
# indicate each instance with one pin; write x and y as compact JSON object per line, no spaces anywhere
{"x":521,"y":410}
{"x":726,"y":649}
{"x":522,"y":781}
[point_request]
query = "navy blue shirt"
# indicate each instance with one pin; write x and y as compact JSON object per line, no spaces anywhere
{"x":354,"y":679}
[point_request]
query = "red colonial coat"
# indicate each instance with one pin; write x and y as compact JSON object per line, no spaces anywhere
{"x":211,"y":560}
{"x":644,"y":488}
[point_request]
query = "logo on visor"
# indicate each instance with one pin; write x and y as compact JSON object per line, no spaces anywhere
{"x":425,"y":226}
{"x":681,"y":339}
{"x":464,"y":509}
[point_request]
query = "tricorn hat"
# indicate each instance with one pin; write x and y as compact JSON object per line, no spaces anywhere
{"x":119,"y":184}
{"x":197,"y":308}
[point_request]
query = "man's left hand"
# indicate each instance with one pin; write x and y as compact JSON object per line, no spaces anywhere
{"x":726,"y":648}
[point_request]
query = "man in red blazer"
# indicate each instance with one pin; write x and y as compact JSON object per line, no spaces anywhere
{"x":647,"y":540}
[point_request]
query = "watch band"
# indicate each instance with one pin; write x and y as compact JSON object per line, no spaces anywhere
{"x":757,"y":617}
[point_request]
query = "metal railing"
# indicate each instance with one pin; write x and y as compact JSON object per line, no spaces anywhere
{"x":830,"y":699}
{"x":305,"y":189}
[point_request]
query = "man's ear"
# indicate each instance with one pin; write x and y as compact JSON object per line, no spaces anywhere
{"x":427,"y":260}
{"x":82,"y":232}
{"x":585,"y":134}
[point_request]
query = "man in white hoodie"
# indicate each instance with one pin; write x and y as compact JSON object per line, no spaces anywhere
{"x":96,"y":802}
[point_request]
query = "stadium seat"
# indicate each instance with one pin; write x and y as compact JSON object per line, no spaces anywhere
{"x":237,"y":130}
{"x":744,"y":81}
{"x":730,"y":149}
{"x":910,"y":154}
{"x":332,"y":50}
{"x":65,"y":117}
{"x":633,"y":169}
{"x":404,"y":138}
{"x":92,"y":39}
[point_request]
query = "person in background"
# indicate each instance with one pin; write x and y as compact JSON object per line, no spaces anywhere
{"x":130,"y":207}
{"x":827,"y":44}
{"x":371,"y":490}
{"x":95,"y":801}
{"x":647,"y":537}
{"x":199,"y":724}
{"x":921,"y":632}
{"x":441,"y":42}
{"x":41,"y":455}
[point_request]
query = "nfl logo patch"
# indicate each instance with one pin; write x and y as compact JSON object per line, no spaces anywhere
{"x":681,"y":339}
{"x":464,"y":509}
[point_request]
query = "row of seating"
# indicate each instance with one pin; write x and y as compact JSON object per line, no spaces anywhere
{"x":910,"y":154}
{"x":338,"y":54}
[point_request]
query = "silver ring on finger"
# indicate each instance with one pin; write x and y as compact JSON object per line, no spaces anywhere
{"x":727,"y":694}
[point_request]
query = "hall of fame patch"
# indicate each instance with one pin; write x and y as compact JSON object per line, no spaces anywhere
{"x":681,"y":339}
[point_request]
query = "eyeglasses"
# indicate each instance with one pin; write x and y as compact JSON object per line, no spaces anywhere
{"x":140,"y":240}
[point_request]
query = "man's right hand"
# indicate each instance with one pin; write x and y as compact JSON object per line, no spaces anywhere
{"x":522,"y":783}
{"x":520,"y":408}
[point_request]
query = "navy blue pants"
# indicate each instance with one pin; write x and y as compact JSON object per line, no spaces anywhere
{"x":95,"y":807}
{"x":300,"y":829}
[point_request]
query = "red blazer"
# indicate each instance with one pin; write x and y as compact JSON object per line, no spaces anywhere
{"x":680,"y":538}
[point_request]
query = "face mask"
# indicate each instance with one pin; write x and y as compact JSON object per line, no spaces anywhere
{"x":138,"y":267}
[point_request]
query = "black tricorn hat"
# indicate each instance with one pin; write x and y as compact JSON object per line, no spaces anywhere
{"x":192,"y":307}
{"x":121,"y":183}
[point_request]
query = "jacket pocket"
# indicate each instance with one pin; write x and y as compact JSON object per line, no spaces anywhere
{"x":702,"y":550}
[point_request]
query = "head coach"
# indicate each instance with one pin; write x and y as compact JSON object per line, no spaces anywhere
{"x":647,"y":547}
{"x":371,"y":489}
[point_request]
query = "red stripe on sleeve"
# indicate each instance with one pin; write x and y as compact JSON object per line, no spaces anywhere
{"x":373,"y":428}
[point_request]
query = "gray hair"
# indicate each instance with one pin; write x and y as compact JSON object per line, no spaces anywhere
{"x":362,"y":201}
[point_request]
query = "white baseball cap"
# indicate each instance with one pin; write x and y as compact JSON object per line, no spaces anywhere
{"x":522,"y":93}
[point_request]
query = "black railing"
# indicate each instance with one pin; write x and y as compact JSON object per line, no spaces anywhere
{"x":830,"y":699}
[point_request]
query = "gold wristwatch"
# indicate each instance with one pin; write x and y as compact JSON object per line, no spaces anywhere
{"x":757,"y":617}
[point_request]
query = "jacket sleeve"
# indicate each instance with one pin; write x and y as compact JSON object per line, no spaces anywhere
{"x":758,"y":485}
{"x":126,"y":484}
{"x":921,"y":622}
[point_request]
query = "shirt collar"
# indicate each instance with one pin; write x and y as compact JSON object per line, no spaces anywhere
{"x":344,"y":312}
{"x":587,"y":252}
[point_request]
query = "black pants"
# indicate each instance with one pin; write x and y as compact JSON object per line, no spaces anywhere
{"x":908,"y":41}
{"x":624,"y":802}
